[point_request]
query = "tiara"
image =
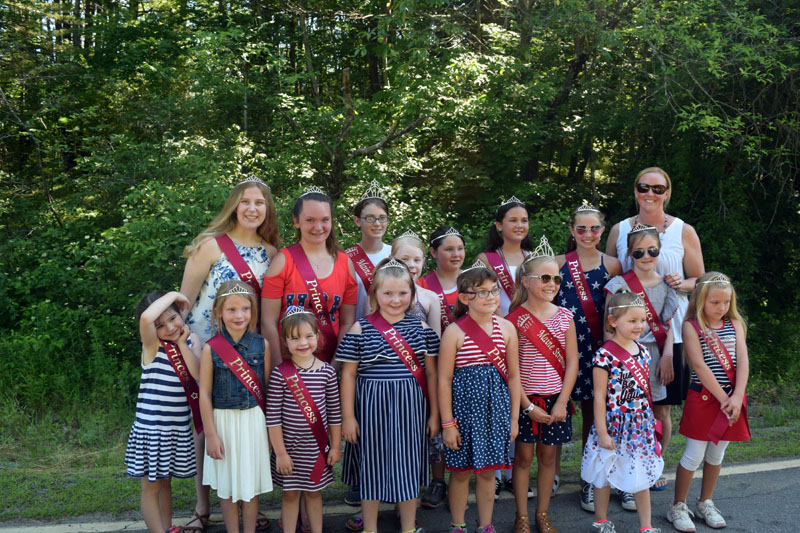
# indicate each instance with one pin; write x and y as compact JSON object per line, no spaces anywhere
{"x":586,"y":208}
{"x":313,"y":190}
{"x":716,"y":278}
{"x":295,"y":310}
{"x":408,"y":233}
{"x":637,"y":302}
{"x":512,"y":200}
{"x":253,"y":179}
{"x":476,"y":264}
{"x":240,"y":289}
{"x":393,"y":263}
{"x":449,"y":233}
{"x":373,"y":191}
{"x":543,"y":250}
{"x":642,"y":227}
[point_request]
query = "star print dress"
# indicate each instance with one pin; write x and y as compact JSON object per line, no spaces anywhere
{"x":634,"y":464}
{"x":596,"y":279}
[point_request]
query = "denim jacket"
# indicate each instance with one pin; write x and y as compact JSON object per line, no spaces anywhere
{"x":228,"y":392}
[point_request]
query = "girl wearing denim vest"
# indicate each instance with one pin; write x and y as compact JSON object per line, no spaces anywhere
{"x":237,"y":450}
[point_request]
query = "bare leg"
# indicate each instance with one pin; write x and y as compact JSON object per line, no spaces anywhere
{"x":230,"y":514}
{"x":149,"y":503}
{"x":314,"y":510}
{"x":165,"y":502}
{"x":408,"y":514}
{"x":484,"y":497}
{"x":203,"y":491}
{"x":662,"y":413}
{"x":370,"y":510}
{"x":642,"y":499}
{"x":546,"y":456}
{"x":457,"y":493}
{"x":290,"y":508}
{"x":249,"y":515}
{"x":556,"y":464}
{"x":601,"y":497}
{"x":683,"y":480}
{"x":710,"y":477}
{"x":521,"y":476}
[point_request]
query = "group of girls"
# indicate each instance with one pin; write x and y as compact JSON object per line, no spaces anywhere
{"x":517,"y":345}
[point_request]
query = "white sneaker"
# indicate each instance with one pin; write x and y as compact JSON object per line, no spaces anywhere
{"x":679,"y":516}
{"x":604,"y":527}
{"x":709,"y":512}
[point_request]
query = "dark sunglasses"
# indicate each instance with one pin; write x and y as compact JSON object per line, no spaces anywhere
{"x":639,"y":252}
{"x":545,"y":278}
{"x":657,"y":189}
{"x":580,"y":230}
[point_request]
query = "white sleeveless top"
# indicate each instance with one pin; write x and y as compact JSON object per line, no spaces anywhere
{"x":669,"y":260}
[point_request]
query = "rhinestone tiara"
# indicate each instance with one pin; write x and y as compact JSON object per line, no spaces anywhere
{"x":642,"y":227}
{"x":586,"y":208}
{"x":373,"y":191}
{"x":238,"y":289}
{"x":449,"y":233}
{"x":543,"y":250}
{"x":253,"y":179}
{"x":312,"y":190}
{"x":408,"y":233}
{"x":295,"y":310}
{"x":393,"y":263}
{"x":637,"y":302}
{"x":476,"y":264}
{"x":716,"y":278}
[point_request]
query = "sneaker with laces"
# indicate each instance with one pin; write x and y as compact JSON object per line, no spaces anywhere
{"x":709,"y":512}
{"x":434,"y":496}
{"x":627,"y":501}
{"x":498,"y":486}
{"x":587,"y":498}
{"x":651,"y":530}
{"x":487,"y":529}
{"x":458,"y":528}
{"x":679,"y":516}
{"x":604,"y":527}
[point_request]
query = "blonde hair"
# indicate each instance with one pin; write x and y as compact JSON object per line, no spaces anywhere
{"x":467,"y":280}
{"x":394,"y":272}
{"x":698,"y":300}
{"x":219,"y":301}
{"x":225,"y":220}
{"x":635,"y":238}
{"x":623,"y":301}
{"x":526,"y":268}
{"x":410,"y":240}
{"x":656,"y":170}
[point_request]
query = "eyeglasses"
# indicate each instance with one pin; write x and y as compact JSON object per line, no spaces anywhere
{"x":483,"y":294}
{"x":638,"y":253}
{"x":657,"y":189}
{"x":545,"y":278}
{"x":580,"y":230}
{"x":371,"y":219}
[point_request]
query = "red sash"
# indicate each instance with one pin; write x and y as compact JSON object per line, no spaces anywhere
{"x":433,"y":284}
{"x":658,"y":329}
{"x":241,"y":267}
{"x":503,"y":275}
{"x":364,"y":267}
{"x":585,"y":297}
{"x":187,"y":381}
{"x":642,"y":377}
{"x":239,"y":367}
{"x":316,"y":301}
{"x":401,"y":348}
{"x":311,"y":413}
{"x":721,"y":422}
{"x":541,"y":337}
{"x":484,"y":343}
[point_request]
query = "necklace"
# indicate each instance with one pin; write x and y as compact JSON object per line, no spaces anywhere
{"x":664,"y":227}
{"x":309,"y":367}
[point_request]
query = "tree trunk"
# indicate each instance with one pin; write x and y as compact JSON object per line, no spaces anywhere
{"x":76,"y":26}
{"x":309,"y":60}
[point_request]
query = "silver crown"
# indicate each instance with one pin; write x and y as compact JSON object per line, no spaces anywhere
{"x":313,"y":189}
{"x":586,"y":208}
{"x":716,"y":278}
{"x":238,"y":289}
{"x":374,"y":191}
{"x":476,"y":264}
{"x":408,"y":233}
{"x":512,"y":200}
{"x":642,"y":227}
{"x":393,"y":263}
{"x":637,"y":302}
{"x":253,"y":179}
{"x":295,"y":310}
{"x":449,"y":233}
{"x":543,"y":250}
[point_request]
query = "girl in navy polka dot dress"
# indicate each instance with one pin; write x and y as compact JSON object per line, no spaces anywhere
{"x":478,"y":376}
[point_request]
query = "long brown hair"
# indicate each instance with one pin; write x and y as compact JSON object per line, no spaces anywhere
{"x":330,"y":243}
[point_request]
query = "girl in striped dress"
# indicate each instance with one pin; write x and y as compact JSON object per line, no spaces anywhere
{"x":298,"y":465}
{"x":384,"y":386}
{"x":478,"y":376}
{"x":160,"y":444}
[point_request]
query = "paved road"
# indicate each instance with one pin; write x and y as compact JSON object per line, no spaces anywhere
{"x":757,"y":497}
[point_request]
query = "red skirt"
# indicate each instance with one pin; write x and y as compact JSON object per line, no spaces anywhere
{"x":699,"y":413}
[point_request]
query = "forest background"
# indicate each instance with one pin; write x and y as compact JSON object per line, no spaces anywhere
{"x":123,"y":126}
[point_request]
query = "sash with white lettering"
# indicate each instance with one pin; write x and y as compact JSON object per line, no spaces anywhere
{"x":585,"y":297}
{"x":316,"y":301}
{"x":503,"y":275}
{"x":401,"y":348}
{"x":541,"y":337}
{"x":433,"y":284}
{"x":187,"y":381}
{"x":241,"y":267}
{"x":642,"y":377}
{"x":239,"y":367}
{"x":364,"y":267}
{"x":311,"y":413}
{"x":485,"y":344}
{"x":721,"y":422}
{"x":658,"y":329}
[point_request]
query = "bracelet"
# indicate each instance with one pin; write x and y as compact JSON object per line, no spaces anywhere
{"x":452,"y":423}
{"x":528,"y":410}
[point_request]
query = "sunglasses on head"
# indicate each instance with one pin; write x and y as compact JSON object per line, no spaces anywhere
{"x":580,"y":230}
{"x":657,"y":189}
{"x":638,"y":253}
{"x":545,"y":278}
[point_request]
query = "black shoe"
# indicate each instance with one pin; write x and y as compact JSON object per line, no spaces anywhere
{"x":435,"y":495}
{"x":498,"y":486}
{"x":353,"y":496}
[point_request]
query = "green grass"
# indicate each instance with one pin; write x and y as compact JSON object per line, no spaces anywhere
{"x":70,"y":465}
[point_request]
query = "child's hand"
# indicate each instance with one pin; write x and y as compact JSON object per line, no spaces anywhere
{"x":181,"y":301}
{"x":558,"y":413}
{"x":434,"y":427}
{"x":283,"y":464}
{"x":451,"y":438}
{"x":214,"y":447}
{"x":664,"y":371}
{"x":350,"y":430}
{"x":540,"y":415}
{"x":185,"y":332}
{"x":514,"y":430}
{"x":733,"y":408}
{"x":334,"y":455}
{"x":606,"y":442}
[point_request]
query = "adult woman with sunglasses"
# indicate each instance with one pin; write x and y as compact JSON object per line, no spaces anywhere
{"x":680,"y":262}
